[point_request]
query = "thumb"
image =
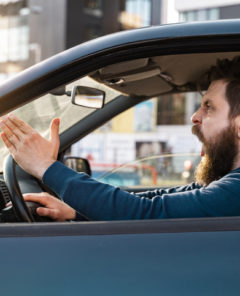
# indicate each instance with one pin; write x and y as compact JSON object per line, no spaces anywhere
{"x":54,"y":131}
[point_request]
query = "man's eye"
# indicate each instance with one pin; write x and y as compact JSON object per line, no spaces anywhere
{"x":208,"y":107}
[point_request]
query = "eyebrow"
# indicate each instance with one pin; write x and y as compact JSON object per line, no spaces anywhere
{"x":206,"y":101}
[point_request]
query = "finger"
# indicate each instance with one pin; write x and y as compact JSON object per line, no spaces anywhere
{"x":9,"y":145}
{"x":47,"y":212}
{"x":5,"y":128}
{"x":36,"y":197}
{"x":6,"y":120}
{"x":54,"y":131}
{"x":11,"y":138}
{"x":20,"y":124}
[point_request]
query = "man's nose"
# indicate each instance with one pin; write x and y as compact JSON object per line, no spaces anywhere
{"x":197,"y":117}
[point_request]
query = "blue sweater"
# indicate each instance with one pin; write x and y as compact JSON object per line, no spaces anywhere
{"x":100,"y":201}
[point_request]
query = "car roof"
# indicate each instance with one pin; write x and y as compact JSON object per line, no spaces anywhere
{"x":158,"y":75}
{"x":147,"y":53}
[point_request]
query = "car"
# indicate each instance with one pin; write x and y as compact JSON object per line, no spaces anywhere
{"x":192,"y":256}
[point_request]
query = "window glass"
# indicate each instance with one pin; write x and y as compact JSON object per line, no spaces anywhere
{"x":202,"y":15}
{"x":191,"y":16}
{"x":93,"y":4}
{"x":182,"y":16}
{"x":199,"y":15}
{"x":214,"y":14}
{"x":148,"y":145}
{"x":171,"y":109}
{"x":14,"y":34}
{"x":93,"y":7}
{"x":136,"y":13}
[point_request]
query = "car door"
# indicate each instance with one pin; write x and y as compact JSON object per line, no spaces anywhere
{"x":172,"y":257}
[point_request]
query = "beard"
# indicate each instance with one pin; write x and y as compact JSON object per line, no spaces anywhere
{"x":219,"y":156}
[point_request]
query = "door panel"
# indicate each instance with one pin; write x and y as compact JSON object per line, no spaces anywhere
{"x":133,"y":264}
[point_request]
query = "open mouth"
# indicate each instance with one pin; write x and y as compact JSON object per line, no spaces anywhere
{"x":203,"y":150}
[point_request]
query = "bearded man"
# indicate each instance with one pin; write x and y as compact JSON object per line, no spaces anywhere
{"x":215,"y":192}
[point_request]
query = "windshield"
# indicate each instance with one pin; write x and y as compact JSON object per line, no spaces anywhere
{"x":40,"y":112}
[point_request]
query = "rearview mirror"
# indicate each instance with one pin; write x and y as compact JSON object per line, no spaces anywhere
{"x":88,"y":97}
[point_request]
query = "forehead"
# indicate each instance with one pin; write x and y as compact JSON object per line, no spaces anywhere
{"x":216,"y":93}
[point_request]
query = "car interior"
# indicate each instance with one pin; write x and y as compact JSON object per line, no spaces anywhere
{"x":134,"y":81}
{"x":158,"y":75}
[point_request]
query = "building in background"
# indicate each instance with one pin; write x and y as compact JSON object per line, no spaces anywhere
{"x":207,"y":10}
{"x":14,"y":35}
{"x":33,"y":30}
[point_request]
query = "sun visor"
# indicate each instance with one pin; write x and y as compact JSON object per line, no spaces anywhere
{"x":124,"y":66}
{"x":156,"y":86}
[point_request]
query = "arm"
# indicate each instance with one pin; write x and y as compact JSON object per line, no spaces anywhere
{"x":100,"y":201}
{"x":153,"y":193}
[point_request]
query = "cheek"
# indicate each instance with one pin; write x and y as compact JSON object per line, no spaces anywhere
{"x":221,"y":121}
{"x":211,"y":129}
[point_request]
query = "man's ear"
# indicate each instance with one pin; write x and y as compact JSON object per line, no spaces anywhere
{"x":237,"y":125}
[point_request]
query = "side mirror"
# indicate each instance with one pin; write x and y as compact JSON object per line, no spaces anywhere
{"x":88,"y":97}
{"x":78,"y":164}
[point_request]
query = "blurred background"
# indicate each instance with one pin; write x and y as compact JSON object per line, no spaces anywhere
{"x":33,"y":30}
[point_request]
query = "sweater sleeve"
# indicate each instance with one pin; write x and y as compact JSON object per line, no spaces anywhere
{"x":100,"y":201}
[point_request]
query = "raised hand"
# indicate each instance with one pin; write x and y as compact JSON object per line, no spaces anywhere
{"x":29,"y":149}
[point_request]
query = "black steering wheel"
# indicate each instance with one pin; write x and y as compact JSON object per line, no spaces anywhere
{"x":22,"y":211}
{"x":25,"y":211}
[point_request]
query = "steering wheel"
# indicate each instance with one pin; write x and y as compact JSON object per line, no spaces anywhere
{"x":25,"y":211}
{"x":21,"y":209}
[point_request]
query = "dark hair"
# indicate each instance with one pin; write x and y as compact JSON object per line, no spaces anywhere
{"x":230,"y":72}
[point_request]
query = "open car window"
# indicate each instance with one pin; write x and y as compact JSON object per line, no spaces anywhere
{"x":149,"y":145}
{"x":162,"y":171}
